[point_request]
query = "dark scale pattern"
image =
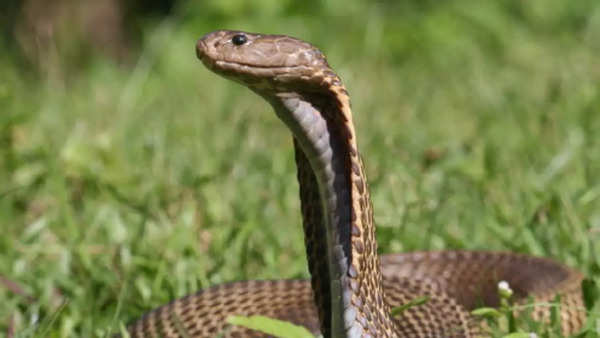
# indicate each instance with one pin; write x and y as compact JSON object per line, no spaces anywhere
{"x":537,"y":277}
{"x":454,"y":281}
{"x":440,"y":316}
{"x":204,"y":314}
{"x":445,"y":314}
{"x":314,"y":237}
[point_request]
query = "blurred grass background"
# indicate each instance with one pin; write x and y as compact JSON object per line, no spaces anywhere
{"x":130,"y":175}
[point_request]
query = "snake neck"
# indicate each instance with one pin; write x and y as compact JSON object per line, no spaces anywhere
{"x":337,"y":214}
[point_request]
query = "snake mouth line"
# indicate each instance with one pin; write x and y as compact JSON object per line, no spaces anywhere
{"x":216,"y":64}
{"x":249,"y":65}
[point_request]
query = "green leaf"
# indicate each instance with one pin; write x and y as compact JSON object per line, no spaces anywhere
{"x":415,"y":302}
{"x":555,"y":317}
{"x":123,"y":331}
{"x":486,"y":312}
{"x":517,"y":335}
{"x":278,"y":328}
{"x":590,"y":293}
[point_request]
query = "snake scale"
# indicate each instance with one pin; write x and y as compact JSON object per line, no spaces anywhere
{"x":352,"y":289}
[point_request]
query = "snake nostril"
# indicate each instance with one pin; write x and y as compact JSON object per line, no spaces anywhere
{"x":200,"y":48}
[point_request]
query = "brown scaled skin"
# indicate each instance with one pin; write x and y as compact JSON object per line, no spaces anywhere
{"x":296,"y":79}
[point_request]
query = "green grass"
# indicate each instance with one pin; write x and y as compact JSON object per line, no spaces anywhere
{"x":123,"y":188}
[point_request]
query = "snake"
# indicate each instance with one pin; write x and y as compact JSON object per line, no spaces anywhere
{"x":352,"y":289}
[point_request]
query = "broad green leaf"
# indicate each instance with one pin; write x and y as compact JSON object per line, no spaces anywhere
{"x":271,"y":326}
{"x":518,"y":335}
{"x":415,"y":302}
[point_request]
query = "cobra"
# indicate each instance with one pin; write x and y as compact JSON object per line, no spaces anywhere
{"x":351,"y":290}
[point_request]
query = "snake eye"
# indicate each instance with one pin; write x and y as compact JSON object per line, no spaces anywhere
{"x":239,"y":39}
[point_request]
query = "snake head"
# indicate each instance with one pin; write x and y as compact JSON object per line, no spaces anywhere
{"x":265,"y":63}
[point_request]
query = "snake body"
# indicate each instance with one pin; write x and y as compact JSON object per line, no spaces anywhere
{"x":352,"y":289}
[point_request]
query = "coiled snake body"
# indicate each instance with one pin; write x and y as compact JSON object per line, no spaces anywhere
{"x":351,"y":291}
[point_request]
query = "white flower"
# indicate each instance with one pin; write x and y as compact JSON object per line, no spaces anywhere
{"x":504,"y":289}
{"x":533,"y":335}
{"x":503,"y":285}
